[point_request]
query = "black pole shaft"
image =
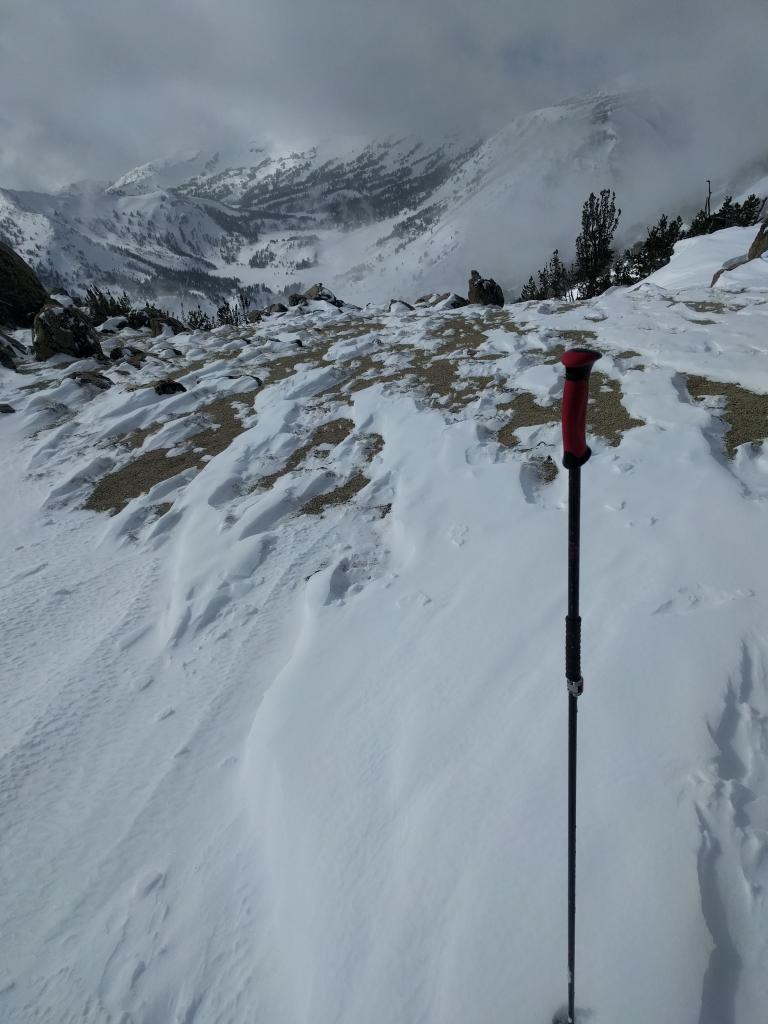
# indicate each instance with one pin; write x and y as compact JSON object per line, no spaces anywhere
{"x":575,"y":683}
{"x":572,"y":712}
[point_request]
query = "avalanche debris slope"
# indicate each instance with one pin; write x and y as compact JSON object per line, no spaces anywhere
{"x":283,"y":724}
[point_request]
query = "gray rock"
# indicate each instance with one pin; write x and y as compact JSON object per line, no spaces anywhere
{"x":97,"y":380}
{"x":254,"y":316}
{"x":22,"y":294}
{"x":759,"y":244}
{"x":450,"y":300}
{"x":318,"y":292}
{"x":295,"y":299}
{"x":5,"y":408}
{"x":64,"y":330}
{"x":11,"y":352}
{"x":483,"y":291}
{"x":757,"y":249}
{"x":169,"y":387}
{"x":276,"y":307}
{"x":156,"y":325}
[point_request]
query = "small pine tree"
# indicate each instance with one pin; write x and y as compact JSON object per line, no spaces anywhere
{"x":730,"y":215}
{"x":224,"y":314}
{"x":530,"y":292}
{"x":599,"y":220}
{"x":103,"y":305}
{"x":197,"y":320}
{"x":544,"y":283}
{"x":559,"y":277}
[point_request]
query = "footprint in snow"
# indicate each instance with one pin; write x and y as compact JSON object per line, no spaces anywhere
{"x":699,"y":598}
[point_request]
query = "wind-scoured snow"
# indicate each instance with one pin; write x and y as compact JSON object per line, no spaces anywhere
{"x":283,"y":730}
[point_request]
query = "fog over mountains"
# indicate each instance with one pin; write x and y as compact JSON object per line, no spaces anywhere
{"x":371,"y":219}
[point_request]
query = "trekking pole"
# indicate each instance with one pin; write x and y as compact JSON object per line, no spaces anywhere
{"x":578,"y":365}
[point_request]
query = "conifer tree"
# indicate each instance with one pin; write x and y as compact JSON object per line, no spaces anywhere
{"x":594,"y":255}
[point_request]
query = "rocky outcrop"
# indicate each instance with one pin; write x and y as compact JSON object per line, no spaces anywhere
{"x":319,"y":293}
{"x":276,"y":307}
{"x":169,"y":387}
{"x":92,"y":378}
{"x":757,"y":249}
{"x":157,"y":325}
{"x":11,"y":352}
{"x":6,"y":409}
{"x":483,"y":291}
{"x":445,"y":300}
{"x":60,"y":330}
{"x":760,"y":243}
{"x":296,"y":299}
{"x":22,"y":294}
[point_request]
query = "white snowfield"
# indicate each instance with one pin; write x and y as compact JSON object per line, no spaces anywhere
{"x":273,"y":757}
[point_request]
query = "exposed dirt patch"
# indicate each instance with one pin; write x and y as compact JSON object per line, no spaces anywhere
{"x":606,"y":417}
{"x":113,"y":492}
{"x":39,"y":385}
{"x":712,"y":306}
{"x":546,"y":467}
{"x":577,"y":337}
{"x":458,"y":332}
{"x":346,"y":330}
{"x":339,"y":496}
{"x":524,"y":411}
{"x":374,"y":445}
{"x":745,"y":412}
{"x":331,"y":433}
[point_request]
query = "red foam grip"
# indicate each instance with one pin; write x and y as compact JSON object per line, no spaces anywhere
{"x":578,"y":364}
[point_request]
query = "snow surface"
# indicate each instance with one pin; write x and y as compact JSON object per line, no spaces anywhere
{"x":258,"y":765}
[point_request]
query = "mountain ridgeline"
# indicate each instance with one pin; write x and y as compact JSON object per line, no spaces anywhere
{"x":373,"y":220}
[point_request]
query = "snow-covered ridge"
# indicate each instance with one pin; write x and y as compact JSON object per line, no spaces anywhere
{"x":284,"y":737}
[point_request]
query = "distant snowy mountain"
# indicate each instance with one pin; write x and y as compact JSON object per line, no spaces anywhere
{"x":370,"y":219}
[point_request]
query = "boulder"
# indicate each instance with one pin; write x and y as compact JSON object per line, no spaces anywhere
{"x":445,"y":300}
{"x":5,"y":409}
{"x":276,"y":307}
{"x":157,"y":325}
{"x":97,"y":380}
{"x":295,"y":299}
{"x":757,"y":249}
{"x":398,"y":306}
{"x":169,"y":387}
{"x":22,"y":294}
{"x":134,"y":356}
{"x":59,"y":330}
{"x":483,"y":291}
{"x":254,"y":316}
{"x":319,"y":292}
{"x":760,"y":243}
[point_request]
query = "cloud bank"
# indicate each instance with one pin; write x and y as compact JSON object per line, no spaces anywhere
{"x":91,"y":88}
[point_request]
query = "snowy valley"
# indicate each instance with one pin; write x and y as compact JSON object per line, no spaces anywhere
{"x":372,"y":220}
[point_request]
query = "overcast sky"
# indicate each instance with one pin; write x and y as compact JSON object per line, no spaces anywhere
{"x":90,"y":88}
